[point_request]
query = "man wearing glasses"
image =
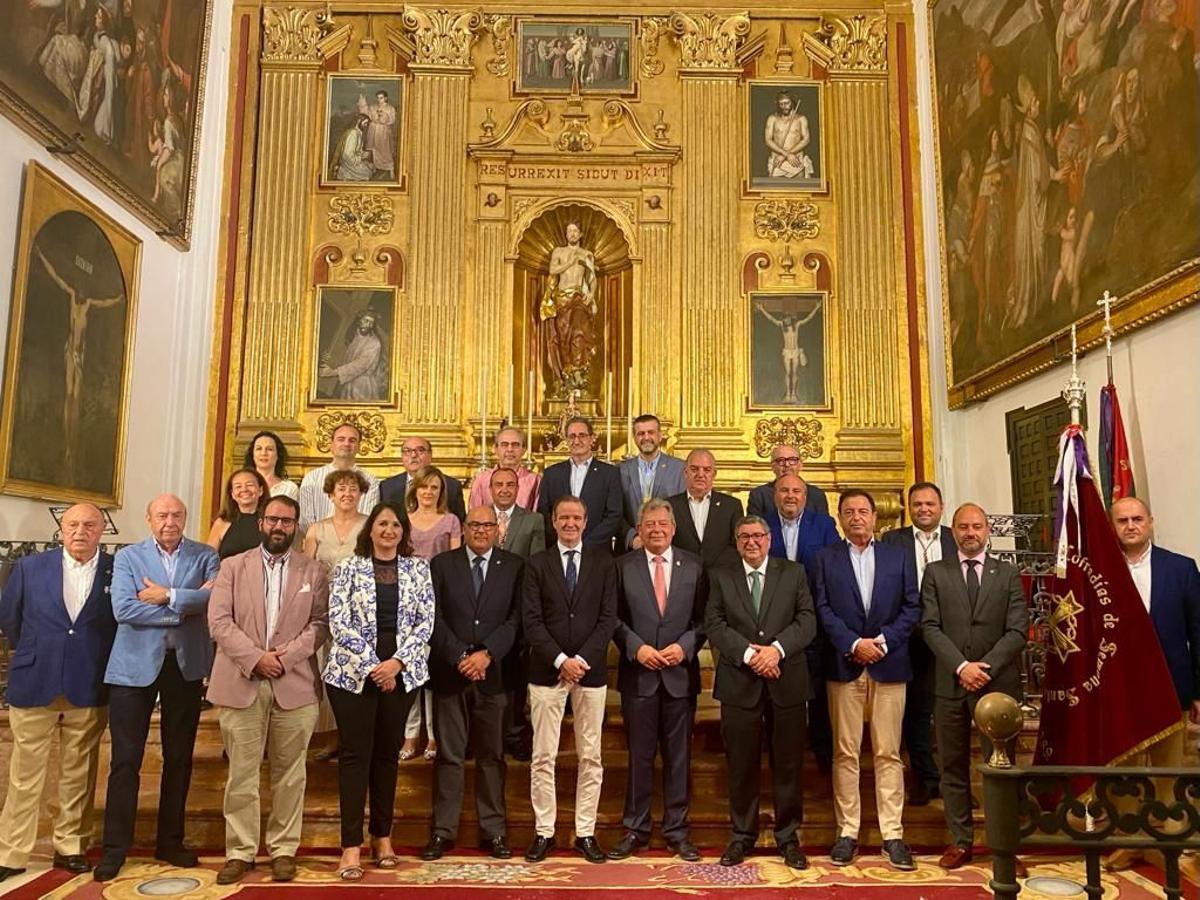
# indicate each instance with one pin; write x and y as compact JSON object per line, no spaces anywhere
{"x":267,"y":615}
{"x":596,"y":483}
{"x":416,"y":452}
{"x":477,"y":593}
{"x":760,"y":618}
{"x":785,"y":460}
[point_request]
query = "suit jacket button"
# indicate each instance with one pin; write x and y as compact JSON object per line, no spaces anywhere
{"x":476,"y":621}
{"x":70,"y":631}
{"x":760,"y":634}
{"x":570,"y":615}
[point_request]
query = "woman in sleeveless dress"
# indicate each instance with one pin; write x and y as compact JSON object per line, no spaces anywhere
{"x":235,"y":530}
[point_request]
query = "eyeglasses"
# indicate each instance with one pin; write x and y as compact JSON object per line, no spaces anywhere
{"x":481,"y":526}
{"x":414,"y":451}
{"x":753,"y":536}
{"x":786,"y":460}
{"x":581,"y":436}
{"x":285,"y":521}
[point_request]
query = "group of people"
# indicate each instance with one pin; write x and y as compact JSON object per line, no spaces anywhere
{"x":362,"y":594}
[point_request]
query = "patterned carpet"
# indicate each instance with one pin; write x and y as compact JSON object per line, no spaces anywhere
{"x":475,"y":877}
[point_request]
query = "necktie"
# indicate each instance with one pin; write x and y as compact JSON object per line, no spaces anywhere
{"x":660,"y":584}
{"x":477,"y":574}
{"x":503,"y":526}
{"x":572,"y":571}
{"x":972,"y":582}
{"x":924,"y":554}
{"x":756,"y":590}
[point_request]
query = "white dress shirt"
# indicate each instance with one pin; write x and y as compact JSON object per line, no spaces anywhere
{"x":77,"y":582}
{"x":762,"y":583}
{"x":168,"y":559}
{"x":273,"y":581}
{"x":863,"y":563}
{"x":666,"y":564}
{"x":562,"y":556}
{"x":579,"y":472}
{"x":699,"y":510}
{"x":928,"y":549}
{"x":1140,"y":570}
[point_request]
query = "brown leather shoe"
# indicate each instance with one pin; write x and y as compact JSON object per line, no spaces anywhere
{"x":283,"y":868}
{"x":1022,"y":872}
{"x":233,"y":871}
{"x":955,"y":856}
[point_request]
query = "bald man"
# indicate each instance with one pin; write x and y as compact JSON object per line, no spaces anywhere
{"x":785,"y":460}
{"x":56,"y":614}
{"x":162,"y":650}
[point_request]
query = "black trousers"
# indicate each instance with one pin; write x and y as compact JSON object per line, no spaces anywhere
{"x":129,"y":712}
{"x":820,"y":727}
{"x":742,"y":730}
{"x":518,"y":732}
{"x":658,"y":723}
{"x":370,"y":731}
{"x":918,"y":714}
{"x":952,"y":721}
{"x":461,"y":718}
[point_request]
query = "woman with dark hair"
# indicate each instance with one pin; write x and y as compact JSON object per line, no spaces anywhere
{"x":267,"y":456}
{"x":235,"y":530}
{"x":380,"y":622}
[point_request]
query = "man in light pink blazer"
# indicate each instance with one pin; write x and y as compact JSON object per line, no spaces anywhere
{"x":267,"y":614}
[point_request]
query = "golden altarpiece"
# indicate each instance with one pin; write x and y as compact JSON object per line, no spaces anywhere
{"x":504,"y":140}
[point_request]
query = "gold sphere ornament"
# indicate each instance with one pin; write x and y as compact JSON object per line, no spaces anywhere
{"x":999,"y":717}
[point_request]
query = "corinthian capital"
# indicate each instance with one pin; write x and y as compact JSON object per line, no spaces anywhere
{"x":442,"y":37}
{"x":854,"y":44}
{"x":292,"y":35}
{"x":710,"y":40}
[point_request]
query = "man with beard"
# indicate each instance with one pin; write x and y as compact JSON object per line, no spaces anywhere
{"x":651,"y":473}
{"x":267,"y":615}
{"x":362,"y":374}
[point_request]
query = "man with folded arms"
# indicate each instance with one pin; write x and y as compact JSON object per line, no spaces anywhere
{"x":268,"y":616}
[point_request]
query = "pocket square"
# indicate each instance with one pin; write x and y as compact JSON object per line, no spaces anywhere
{"x":304,"y":588}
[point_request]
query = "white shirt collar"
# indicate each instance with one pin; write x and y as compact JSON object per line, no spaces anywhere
{"x":666,"y":555}
{"x":472,"y":555}
{"x":1142,"y":560}
{"x":927,"y":537}
{"x":71,"y":562}
{"x":762,"y":569}
{"x":563,"y":548}
{"x":703,"y":499}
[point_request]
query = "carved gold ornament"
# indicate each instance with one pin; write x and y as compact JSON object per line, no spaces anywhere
{"x":359,"y":213}
{"x":500,"y":28}
{"x":803,"y":433}
{"x":786,"y":220}
{"x":369,"y":424}
{"x":652,"y":30}
{"x":856,"y":44}
{"x":710,"y":41}
{"x":442,"y":37}
{"x":292,"y":35}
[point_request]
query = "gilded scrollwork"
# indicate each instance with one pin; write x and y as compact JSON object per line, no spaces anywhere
{"x":710,"y":40}
{"x":292,"y":35}
{"x":651,"y":32}
{"x":500,"y":29}
{"x":369,"y":424}
{"x":855,"y":44}
{"x":802,"y":432}
{"x":575,"y":137}
{"x":786,"y":220}
{"x":360,"y":213}
{"x":442,"y":37}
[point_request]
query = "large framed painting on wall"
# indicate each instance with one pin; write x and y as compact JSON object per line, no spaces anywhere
{"x":70,"y":346}
{"x":788,"y":350}
{"x":362,"y":130}
{"x":116,"y":89}
{"x":784,"y":150}
{"x":355,"y":343}
{"x":1067,"y":166}
{"x":593,"y":56}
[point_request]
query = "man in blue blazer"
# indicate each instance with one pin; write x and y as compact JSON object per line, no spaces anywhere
{"x":652,"y":473}
{"x":596,"y":483}
{"x":160,"y":599}
{"x":868,"y":604}
{"x":1169,"y":585}
{"x":56,"y":614}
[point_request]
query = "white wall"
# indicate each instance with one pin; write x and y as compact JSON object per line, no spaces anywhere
{"x":168,"y":404}
{"x":1156,"y":370}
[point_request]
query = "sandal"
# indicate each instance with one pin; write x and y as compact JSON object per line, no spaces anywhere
{"x":351,"y":873}
{"x":430,"y":753}
{"x":407,"y":754}
{"x":388,"y":861}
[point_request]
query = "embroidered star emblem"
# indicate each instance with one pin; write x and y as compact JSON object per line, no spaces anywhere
{"x":1063,"y":625}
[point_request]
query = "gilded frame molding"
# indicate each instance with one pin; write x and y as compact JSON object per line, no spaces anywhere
{"x":392,"y":398}
{"x":828,"y":361}
{"x":749,"y":188}
{"x":400,"y":182}
{"x":522,"y":21}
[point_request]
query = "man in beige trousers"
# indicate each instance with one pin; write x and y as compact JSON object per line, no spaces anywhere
{"x":267,"y":614}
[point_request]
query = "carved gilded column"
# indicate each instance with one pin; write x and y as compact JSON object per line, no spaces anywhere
{"x":712,"y":321}
{"x":290,"y":67}
{"x":658,"y":309}
{"x":441,"y":73}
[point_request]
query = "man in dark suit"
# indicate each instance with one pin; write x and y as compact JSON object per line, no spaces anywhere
{"x":521,"y":532}
{"x":596,"y":483}
{"x":1169,"y":585}
{"x":57,"y":616}
{"x":975,"y":620}
{"x":926,"y":540}
{"x":477,"y":593}
{"x":759,"y":619}
{"x":569,"y":611}
{"x":868,"y":605}
{"x":704,"y":518}
{"x":785,"y":460}
{"x":416,"y":452}
{"x":652,"y":473}
{"x":660,"y":630}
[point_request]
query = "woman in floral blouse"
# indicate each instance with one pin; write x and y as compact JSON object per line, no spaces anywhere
{"x":380,"y":621}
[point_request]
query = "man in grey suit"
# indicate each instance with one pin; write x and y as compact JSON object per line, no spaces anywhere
{"x":651,"y":473}
{"x":660,"y":630}
{"x":521,"y":532}
{"x":975,"y":620}
{"x":785,"y":460}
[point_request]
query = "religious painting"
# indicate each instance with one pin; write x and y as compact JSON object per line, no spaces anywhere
{"x":588,"y":56}
{"x":116,"y":89}
{"x":362,"y":130}
{"x":787,"y":350}
{"x":70,"y":343}
{"x":1068,"y":160}
{"x":785,"y":151}
{"x":355,"y":337}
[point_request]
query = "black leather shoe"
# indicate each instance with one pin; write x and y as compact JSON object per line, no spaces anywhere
{"x":589,"y":849}
{"x":108,"y":868}
{"x":521,"y":752}
{"x":793,"y":855}
{"x":627,"y":846}
{"x":919,"y":795}
{"x":180,"y":857}
{"x":734,"y":854}
{"x":899,"y":855}
{"x":436,"y":847}
{"x":497,"y":846}
{"x":844,"y":849}
{"x":8,"y":872}
{"x":539,"y":849}
{"x":73,"y":862}
{"x":685,"y":850}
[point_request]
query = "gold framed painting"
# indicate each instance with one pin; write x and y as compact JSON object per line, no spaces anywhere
{"x":363,"y":131}
{"x":70,"y":348}
{"x":789,"y":361}
{"x":355,"y":346}
{"x":115,"y":90}
{"x":785,"y":150}
{"x":590,"y":55}
{"x":1066,"y":167}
